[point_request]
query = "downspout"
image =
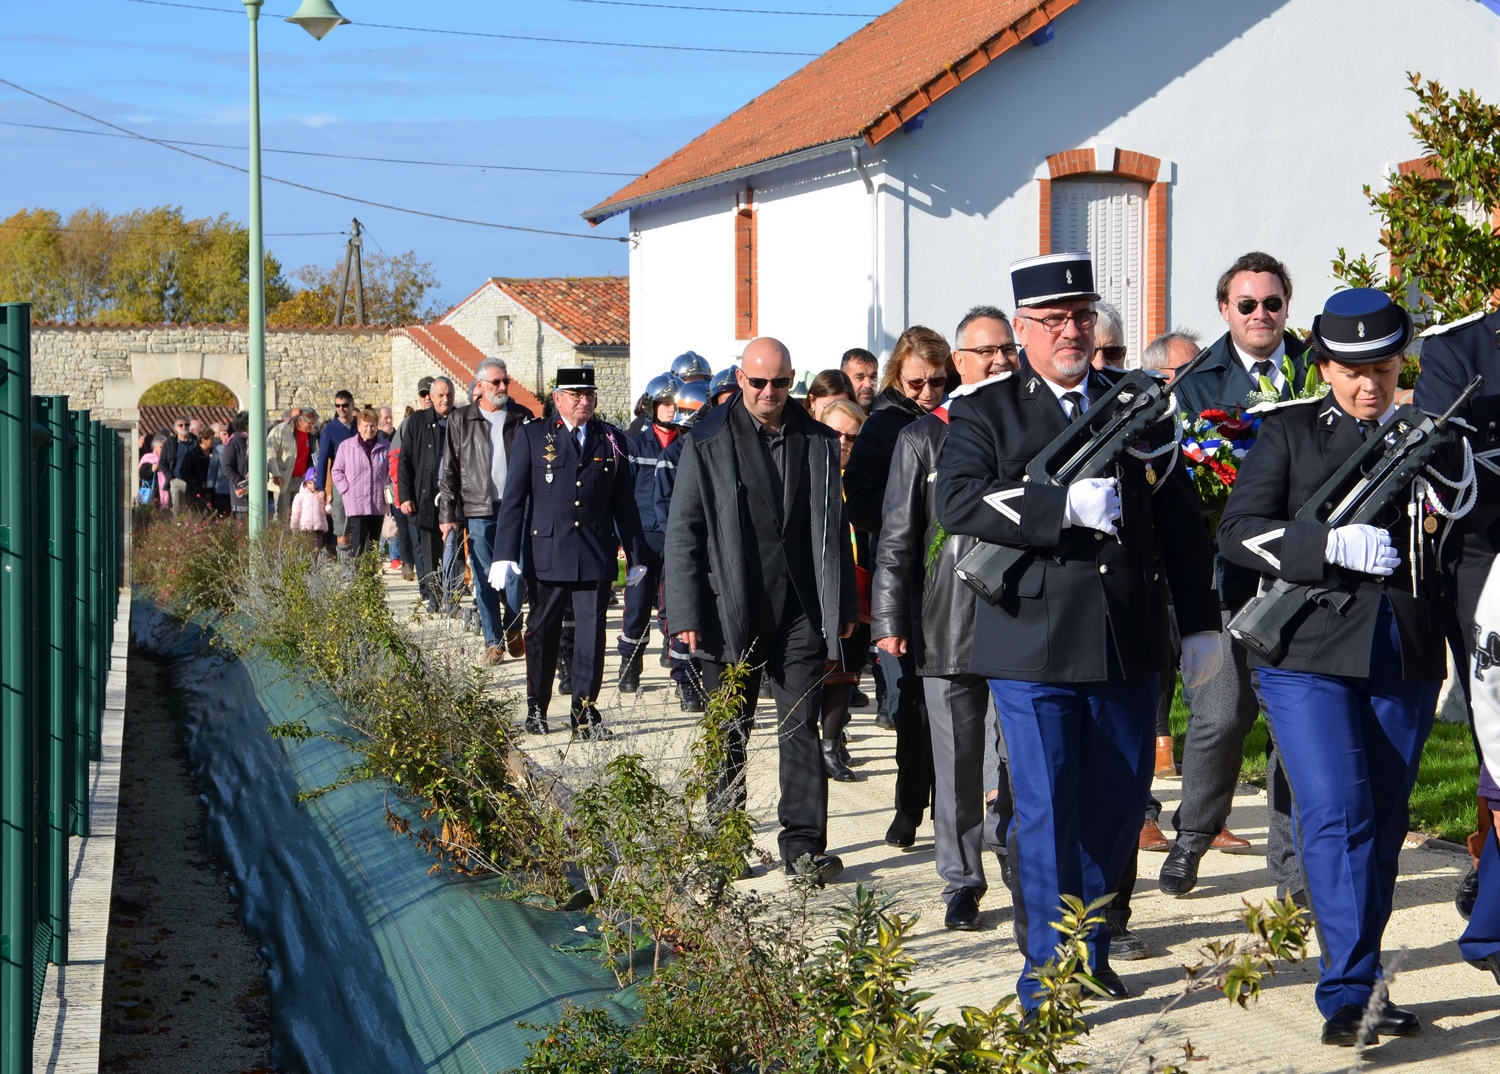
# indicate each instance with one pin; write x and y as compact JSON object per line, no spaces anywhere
{"x":864,"y":174}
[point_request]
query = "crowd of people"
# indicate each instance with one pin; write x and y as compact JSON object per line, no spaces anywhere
{"x":812,"y":534}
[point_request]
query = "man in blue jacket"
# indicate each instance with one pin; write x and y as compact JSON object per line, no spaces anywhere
{"x":334,"y":433}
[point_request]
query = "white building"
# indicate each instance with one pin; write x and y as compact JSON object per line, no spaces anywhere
{"x":892,"y":180}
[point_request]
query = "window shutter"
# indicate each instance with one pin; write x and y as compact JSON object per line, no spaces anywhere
{"x":1107,"y":219}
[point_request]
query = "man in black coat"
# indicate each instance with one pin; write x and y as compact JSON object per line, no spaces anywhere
{"x":1074,"y":651}
{"x":423,"y":439}
{"x":568,"y":494}
{"x":759,"y":568}
{"x":1254,"y":295}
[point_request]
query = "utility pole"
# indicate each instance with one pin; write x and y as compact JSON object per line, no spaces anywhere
{"x":351,"y":259}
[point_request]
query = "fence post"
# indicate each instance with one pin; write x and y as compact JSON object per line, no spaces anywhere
{"x":97,"y":653}
{"x":17,"y":700}
{"x":82,"y":696}
{"x":57,"y":505}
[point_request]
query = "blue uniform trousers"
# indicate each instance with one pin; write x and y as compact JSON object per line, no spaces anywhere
{"x":1350,"y":748}
{"x":1081,"y":756}
{"x":1482,"y":938}
{"x":499,"y":613}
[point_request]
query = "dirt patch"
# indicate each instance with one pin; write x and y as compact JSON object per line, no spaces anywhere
{"x":183,"y":988}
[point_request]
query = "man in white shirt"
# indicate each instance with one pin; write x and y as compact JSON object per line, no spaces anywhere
{"x":470,"y":487}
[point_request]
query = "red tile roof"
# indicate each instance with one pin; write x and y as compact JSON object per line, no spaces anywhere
{"x":153,"y":419}
{"x":866,"y":86}
{"x":590,"y":311}
{"x":460,"y":358}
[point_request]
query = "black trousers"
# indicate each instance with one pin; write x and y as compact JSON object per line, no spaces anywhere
{"x":544,"y":622}
{"x":364,"y":531}
{"x":794,"y":660}
{"x":914,"y":776}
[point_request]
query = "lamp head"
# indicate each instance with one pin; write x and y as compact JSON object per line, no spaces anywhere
{"x":317,"y":17}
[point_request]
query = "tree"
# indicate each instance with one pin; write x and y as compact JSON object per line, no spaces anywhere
{"x":146,"y":265}
{"x":1443,"y":255}
{"x":394,"y":290}
{"x":179,"y":392}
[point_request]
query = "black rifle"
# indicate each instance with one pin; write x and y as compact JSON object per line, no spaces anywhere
{"x":1087,"y":448}
{"x":1357,"y":492}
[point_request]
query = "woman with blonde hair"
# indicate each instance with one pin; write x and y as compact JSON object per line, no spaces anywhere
{"x":914,"y":383}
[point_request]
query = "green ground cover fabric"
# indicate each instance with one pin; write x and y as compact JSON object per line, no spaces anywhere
{"x":376,"y":964}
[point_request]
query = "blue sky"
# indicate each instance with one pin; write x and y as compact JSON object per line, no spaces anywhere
{"x":179,"y":73}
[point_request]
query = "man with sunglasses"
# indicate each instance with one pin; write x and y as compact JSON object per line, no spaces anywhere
{"x":1254,"y":296}
{"x":333,"y":434}
{"x":759,"y":568}
{"x":470,"y":482}
{"x":1073,"y":650}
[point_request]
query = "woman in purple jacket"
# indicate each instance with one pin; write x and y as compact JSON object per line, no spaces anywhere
{"x":361,"y":475}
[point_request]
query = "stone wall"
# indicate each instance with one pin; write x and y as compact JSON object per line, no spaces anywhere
{"x":105,"y":368}
{"x":535,"y":349}
{"x":409,"y":364}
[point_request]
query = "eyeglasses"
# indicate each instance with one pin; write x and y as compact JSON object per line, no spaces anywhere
{"x":1113,"y":355}
{"x":343,"y":406}
{"x":781,"y":384}
{"x":1246,"y":306}
{"x":1010,"y":350}
{"x":848,"y":438}
{"x":578,"y":393}
{"x":935,"y":383}
{"x":1053,"y":322}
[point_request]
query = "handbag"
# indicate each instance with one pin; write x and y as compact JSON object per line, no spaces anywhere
{"x":388,"y":529}
{"x":862,"y":583}
{"x":143,"y":494}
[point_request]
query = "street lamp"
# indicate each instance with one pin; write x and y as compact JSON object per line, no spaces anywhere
{"x":317,"y":17}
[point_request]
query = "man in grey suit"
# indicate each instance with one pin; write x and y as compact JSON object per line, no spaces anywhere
{"x":759,"y":568}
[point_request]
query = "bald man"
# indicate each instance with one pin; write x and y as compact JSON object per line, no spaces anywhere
{"x":759,"y":568}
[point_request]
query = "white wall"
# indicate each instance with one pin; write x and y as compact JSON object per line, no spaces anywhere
{"x":1273,"y":113}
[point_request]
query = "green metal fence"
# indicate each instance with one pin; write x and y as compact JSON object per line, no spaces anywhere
{"x":60,"y":532}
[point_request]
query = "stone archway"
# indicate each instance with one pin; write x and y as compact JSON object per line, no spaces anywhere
{"x":148,"y":368}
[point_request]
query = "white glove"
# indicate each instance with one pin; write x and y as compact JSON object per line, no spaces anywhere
{"x":502,"y":569}
{"x":1093,"y":503}
{"x":633,"y":575}
{"x":1202,"y":657}
{"x":1362,"y":548}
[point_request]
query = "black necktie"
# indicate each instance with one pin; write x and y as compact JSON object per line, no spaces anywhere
{"x":1074,"y":401}
{"x":1264,"y":369}
{"x":1368,"y":426}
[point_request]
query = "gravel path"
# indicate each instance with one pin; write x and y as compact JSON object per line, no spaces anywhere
{"x":183,"y":989}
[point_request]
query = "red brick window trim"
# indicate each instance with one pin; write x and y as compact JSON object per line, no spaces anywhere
{"x":746,"y":247}
{"x":1127,"y":164}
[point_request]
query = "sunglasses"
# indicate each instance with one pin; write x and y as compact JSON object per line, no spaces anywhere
{"x":343,"y":406}
{"x":759,"y":383}
{"x":1112,"y":354}
{"x":935,"y":383}
{"x":495,"y":383}
{"x":1246,"y":306}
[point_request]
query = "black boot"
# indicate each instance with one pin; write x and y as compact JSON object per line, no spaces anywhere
{"x":536,"y":719}
{"x":665,"y":660}
{"x":630,"y":675}
{"x":690,"y":700}
{"x":587,"y":723}
{"x":1467,"y":894}
{"x":833,"y":766}
{"x":564,"y":676}
{"x":844,"y":748}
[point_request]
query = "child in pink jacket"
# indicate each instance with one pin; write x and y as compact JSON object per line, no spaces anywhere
{"x":307,"y":512}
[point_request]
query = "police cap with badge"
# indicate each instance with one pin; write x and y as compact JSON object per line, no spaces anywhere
{"x":575,"y":378}
{"x":1040,"y":281}
{"x":1361,"y":326}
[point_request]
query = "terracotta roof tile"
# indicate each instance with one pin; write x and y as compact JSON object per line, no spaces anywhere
{"x":460,"y":358}
{"x":866,"y":87}
{"x":153,"y":419}
{"x":590,"y":311}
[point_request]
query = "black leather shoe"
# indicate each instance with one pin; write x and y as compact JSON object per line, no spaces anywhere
{"x":1488,"y":962}
{"x":858,"y":699}
{"x":1179,"y":873}
{"x":1396,"y":1022}
{"x":884,"y":721}
{"x":963,"y":912}
{"x":690,"y":699}
{"x":902,"y":832}
{"x":1126,"y":945}
{"x":1467,"y":894}
{"x":630,"y":677}
{"x":1342,"y":1030}
{"x":834,"y":766}
{"x":594,"y":732}
{"x":819,"y":868}
{"x":765,"y":688}
{"x":1005,"y":870}
{"x":844,"y":748}
{"x":1110,"y":981}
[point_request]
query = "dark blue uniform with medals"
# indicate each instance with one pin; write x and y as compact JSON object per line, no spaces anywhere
{"x":1350,"y":702}
{"x":1073,"y":657}
{"x":567,"y":508}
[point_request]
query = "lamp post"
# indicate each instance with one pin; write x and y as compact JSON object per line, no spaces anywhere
{"x":317,"y":17}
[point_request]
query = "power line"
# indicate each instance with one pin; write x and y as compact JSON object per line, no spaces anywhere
{"x":335,"y":156}
{"x":303,"y":186}
{"x":511,"y":37}
{"x":726,"y":10}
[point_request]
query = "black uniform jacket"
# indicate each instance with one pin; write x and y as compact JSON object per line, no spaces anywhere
{"x":1298,"y":448}
{"x":1451,"y":356}
{"x":565,"y":529}
{"x":1081,"y":582}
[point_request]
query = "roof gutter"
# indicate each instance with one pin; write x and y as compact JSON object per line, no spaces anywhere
{"x":599,"y":213}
